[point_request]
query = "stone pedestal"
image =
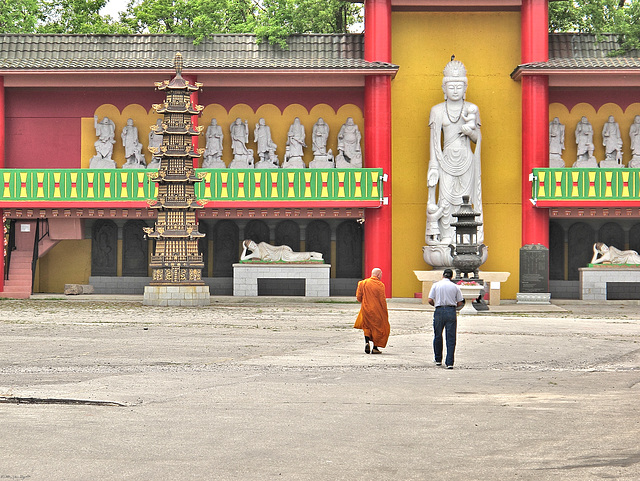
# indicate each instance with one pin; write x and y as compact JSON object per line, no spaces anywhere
{"x":609,"y":282}
{"x":534,"y":275}
{"x":181,"y":296}
{"x":315,"y":277}
{"x":470,"y":293}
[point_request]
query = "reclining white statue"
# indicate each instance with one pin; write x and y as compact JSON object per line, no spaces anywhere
{"x":267,"y":252}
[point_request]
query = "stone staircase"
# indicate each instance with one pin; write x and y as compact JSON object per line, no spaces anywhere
{"x":18,"y":286}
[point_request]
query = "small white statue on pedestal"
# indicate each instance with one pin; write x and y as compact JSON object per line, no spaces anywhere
{"x":556,"y":144}
{"x":213,"y":149}
{"x":585,"y":147}
{"x":295,"y":146}
{"x":266,"y":148}
{"x":349,"y":150}
{"x":612,"y":141}
{"x":155,"y":141}
{"x":242,"y":157}
{"x":634,"y":135}
{"x":132,"y":147}
{"x":321,"y":158}
{"x":106,"y":131}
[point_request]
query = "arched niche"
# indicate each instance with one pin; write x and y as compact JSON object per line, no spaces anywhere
{"x":634,"y":238}
{"x":612,"y":235}
{"x":349,"y":249}
{"x":135,"y":249}
{"x":581,"y":239}
{"x":104,"y":248}
{"x":226,"y":241}
{"x":318,"y":239}
{"x":556,"y":252}
{"x":288,"y":234}
{"x":203,"y":245}
{"x":257,"y":231}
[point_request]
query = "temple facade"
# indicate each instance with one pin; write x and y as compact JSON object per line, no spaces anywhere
{"x":71,"y":223}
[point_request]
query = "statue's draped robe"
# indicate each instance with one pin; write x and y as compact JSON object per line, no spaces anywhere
{"x":373,"y":317}
{"x":458,"y":167}
{"x":618,"y":256}
{"x":267,"y":252}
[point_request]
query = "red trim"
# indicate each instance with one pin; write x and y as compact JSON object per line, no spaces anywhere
{"x":211,"y":204}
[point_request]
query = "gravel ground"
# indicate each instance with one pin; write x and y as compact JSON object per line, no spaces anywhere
{"x":104,"y":388}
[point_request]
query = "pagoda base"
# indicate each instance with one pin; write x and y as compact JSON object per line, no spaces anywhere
{"x":180,"y":296}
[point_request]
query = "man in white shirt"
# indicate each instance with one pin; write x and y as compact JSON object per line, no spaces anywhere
{"x":445,"y":296}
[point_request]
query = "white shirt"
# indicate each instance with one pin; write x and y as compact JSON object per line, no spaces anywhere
{"x":445,"y":293}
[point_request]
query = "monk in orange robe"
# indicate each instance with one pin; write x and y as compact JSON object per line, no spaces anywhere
{"x":373,"y":317}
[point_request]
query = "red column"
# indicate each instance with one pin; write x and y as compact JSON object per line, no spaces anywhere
{"x":2,"y":149}
{"x":535,"y":117}
{"x":377,"y":137}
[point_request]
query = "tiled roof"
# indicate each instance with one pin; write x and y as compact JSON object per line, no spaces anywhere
{"x":582,"y":51}
{"x":312,"y":51}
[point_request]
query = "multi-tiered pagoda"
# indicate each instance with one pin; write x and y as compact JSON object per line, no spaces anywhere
{"x":176,"y":260}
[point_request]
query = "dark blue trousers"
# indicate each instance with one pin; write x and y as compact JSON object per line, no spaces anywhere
{"x":444,"y":318}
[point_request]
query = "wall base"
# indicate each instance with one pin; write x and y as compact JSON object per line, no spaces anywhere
{"x":181,"y":296}
{"x":533,"y":298}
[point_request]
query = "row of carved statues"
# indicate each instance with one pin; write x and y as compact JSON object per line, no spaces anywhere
{"x":611,"y":140}
{"x":349,"y":146}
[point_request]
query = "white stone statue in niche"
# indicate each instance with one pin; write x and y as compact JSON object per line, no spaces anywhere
{"x":612,"y":141}
{"x":132,"y":147}
{"x":295,"y":146}
{"x":265,"y":146}
{"x":155,"y":142}
{"x":268,"y":253}
{"x":106,"y":132}
{"x":213,"y":148}
{"x":322,"y":159}
{"x":612,"y":255}
{"x":634,"y":135}
{"x":454,"y":166}
{"x":585,"y":147}
{"x":242,"y":157}
{"x":349,"y":150}
{"x":556,"y":144}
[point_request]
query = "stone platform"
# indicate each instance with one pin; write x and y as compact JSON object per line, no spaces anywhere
{"x":313,"y":278}
{"x":180,"y":296}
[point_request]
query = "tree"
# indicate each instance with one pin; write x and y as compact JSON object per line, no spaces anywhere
{"x":619,"y":17}
{"x":18,"y":17}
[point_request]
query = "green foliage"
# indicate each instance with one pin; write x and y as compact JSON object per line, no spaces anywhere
{"x":19,"y":16}
{"x":273,"y":20}
{"x":619,"y":17}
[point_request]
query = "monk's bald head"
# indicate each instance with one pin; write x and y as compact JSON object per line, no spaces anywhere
{"x":376,"y":272}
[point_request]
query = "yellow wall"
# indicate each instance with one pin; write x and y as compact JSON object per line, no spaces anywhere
{"x":68,"y":262}
{"x":597,"y":120}
{"x":488,"y":43}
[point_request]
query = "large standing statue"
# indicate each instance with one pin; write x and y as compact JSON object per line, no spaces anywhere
{"x":265,"y":146}
{"x":634,"y":135}
{"x":612,"y":141}
{"x":268,"y":253}
{"x":585,"y":147}
{"x":556,"y":144}
{"x":106,"y":132}
{"x":155,"y":142}
{"x":454,"y":167}
{"x":321,"y":158}
{"x":132,"y":147}
{"x":349,"y":150}
{"x":213,"y":148}
{"x":242,"y":157}
{"x":295,"y":146}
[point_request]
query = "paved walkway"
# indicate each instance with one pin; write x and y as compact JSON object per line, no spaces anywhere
{"x":280,"y":388}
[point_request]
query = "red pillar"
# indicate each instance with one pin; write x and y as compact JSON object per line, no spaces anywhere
{"x":535,"y":117}
{"x":2,"y":149}
{"x":377,"y":137}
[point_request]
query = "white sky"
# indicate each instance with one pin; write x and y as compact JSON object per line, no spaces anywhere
{"x":114,"y":7}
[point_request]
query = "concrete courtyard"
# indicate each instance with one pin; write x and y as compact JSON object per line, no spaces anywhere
{"x":271,"y":388}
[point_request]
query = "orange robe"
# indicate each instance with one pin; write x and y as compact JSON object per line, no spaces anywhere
{"x":373,"y":317}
